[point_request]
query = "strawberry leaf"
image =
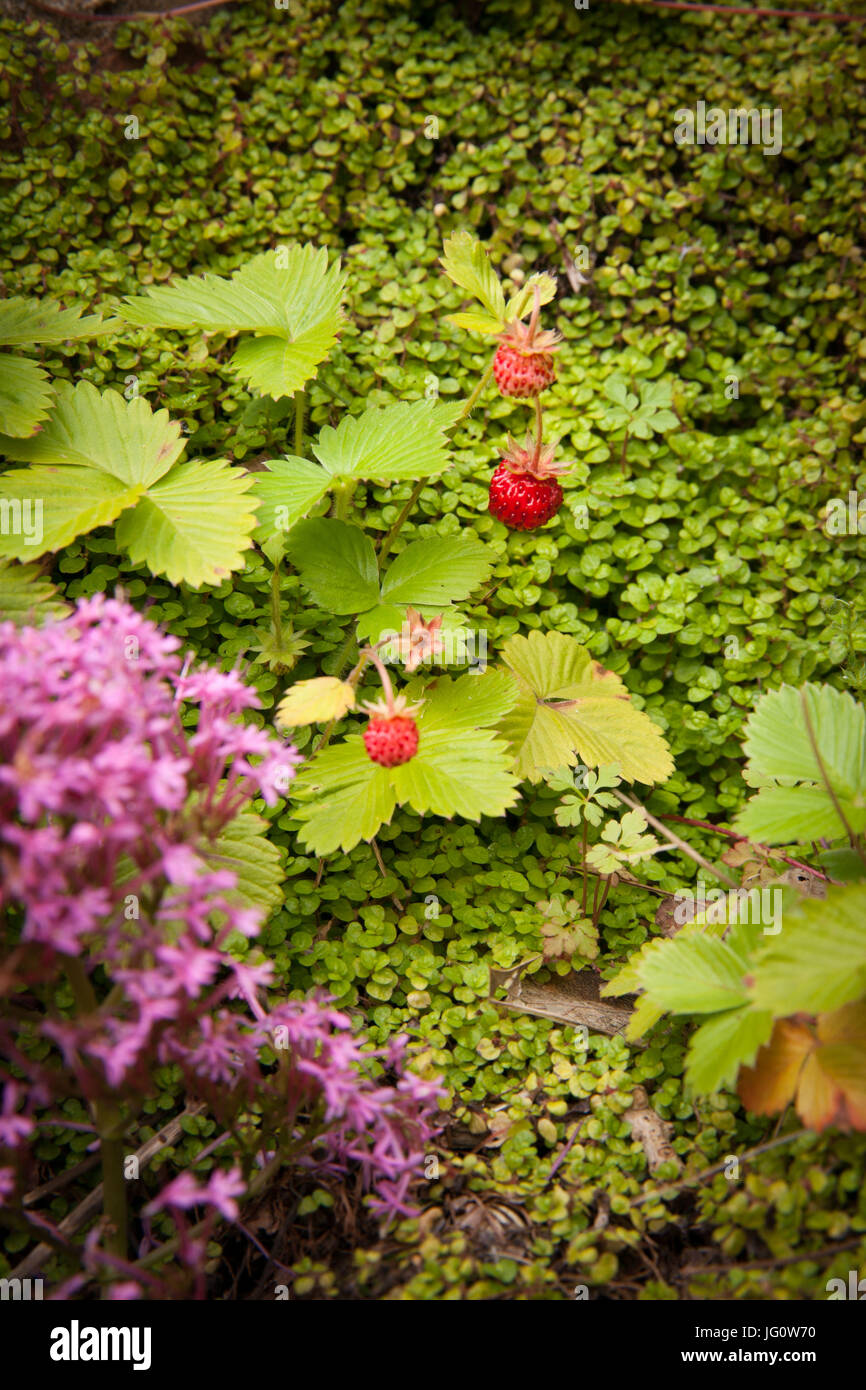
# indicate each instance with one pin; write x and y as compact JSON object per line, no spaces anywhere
{"x":570,"y":706}
{"x":289,"y":297}
{"x":404,"y":440}
{"x":467,"y":264}
{"x":315,"y":702}
{"x":337,"y":564}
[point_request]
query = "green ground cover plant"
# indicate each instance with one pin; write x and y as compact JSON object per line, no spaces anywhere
{"x":289,"y":465}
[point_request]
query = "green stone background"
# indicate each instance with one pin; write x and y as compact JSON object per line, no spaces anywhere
{"x":259,"y":126}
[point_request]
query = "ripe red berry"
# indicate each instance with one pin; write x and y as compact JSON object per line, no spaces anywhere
{"x":524,"y":503}
{"x":524,"y":492}
{"x":522,"y":374}
{"x":392,"y":740}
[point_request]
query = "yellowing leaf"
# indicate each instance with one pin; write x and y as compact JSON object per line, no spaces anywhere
{"x":770,"y":1085}
{"x":570,"y":707}
{"x":315,"y":702}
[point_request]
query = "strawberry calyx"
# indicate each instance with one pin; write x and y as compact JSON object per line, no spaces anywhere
{"x":536,"y":459}
{"x":528,"y":338}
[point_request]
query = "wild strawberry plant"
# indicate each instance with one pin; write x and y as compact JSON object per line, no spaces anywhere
{"x":779,"y":984}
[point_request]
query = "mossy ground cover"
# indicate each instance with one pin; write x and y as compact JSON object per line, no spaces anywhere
{"x":692,"y":561}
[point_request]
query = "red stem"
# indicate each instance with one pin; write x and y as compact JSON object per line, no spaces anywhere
{"x":732,"y":835}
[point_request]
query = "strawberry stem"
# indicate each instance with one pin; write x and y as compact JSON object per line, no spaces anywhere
{"x":536,"y":310}
{"x":538,"y":429}
{"x":380,"y":666}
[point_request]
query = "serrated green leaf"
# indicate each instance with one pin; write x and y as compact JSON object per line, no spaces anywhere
{"x":781,"y":755}
{"x":475,"y":323}
{"x":779,"y":749}
{"x":244,"y":848}
{"x":315,"y":702}
{"x":571,"y":706}
{"x":25,"y":396}
{"x":404,"y":440}
{"x":469,"y":702}
{"x":341,"y":797}
{"x":521,"y":303}
{"x":286,"y":492}
{"x":337,"y":564}
{"x":797,"y":815}
{"x":25,"y":597}
{"x":194,"y":525}
{"x":73,"y":501}
{"x":722,"y":1045}
{"x":289,"y":296}
{"x":456,"y":772}
{"x":101,"y":430}
{"x":25,"y":320}
{"x":465,"y":261}
{"x":818,"y":961}
{"x":693,"y":974}
{"x":437,"y":571}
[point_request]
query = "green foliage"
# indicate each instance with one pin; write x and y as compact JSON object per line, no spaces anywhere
{"x":25,"y":597}
{"x":101,"y":459}
{"x":244,"y":848}
{"x":570,"y":706}
{"x":289,"y":298}
{"x":337,"y":565}
{"x":807,"y":754}
{"x":700,"y":575}
{"x":402,"y":440}
{"x":622,"y":842}
{"x":25,"y":389}
{"x":460,"y":768}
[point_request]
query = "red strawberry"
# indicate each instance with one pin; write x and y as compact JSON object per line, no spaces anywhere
{"x":524,"y":492}
{"x":391,"y":737}
{"x":524,"y":365}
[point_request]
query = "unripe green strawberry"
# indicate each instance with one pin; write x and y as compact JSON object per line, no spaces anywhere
{"x":521,"y":374}
{"x":523,"y":365}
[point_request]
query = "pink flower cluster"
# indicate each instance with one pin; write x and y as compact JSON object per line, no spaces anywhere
{"x":120,"y":767}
